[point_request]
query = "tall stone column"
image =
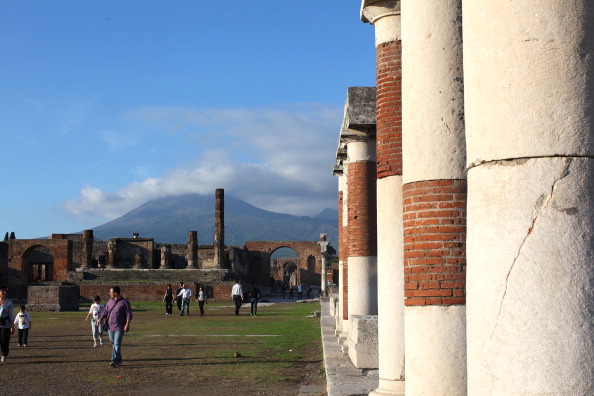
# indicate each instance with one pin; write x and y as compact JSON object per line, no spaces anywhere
{"x":87,"y":249}
{"x":434,"y":193}
{"x":358,"y":132}
{"x":112,"y":251}
{"x":219,"y":228}
{"x":323,"y":248}
{"x":339,"y":171}
{"x":385,"y":17}
{"x":529,"y":83}
{"x":193,"y":250}
{"x":165,"y":256}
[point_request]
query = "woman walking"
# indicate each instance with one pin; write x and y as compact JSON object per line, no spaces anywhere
{"x":168,"y":298}
{"x":6,"y":323}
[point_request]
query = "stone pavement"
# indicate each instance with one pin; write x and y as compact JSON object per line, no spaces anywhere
{"x":342,"y":378}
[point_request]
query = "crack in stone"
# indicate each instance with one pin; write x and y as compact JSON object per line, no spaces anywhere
{"x":545,"y":203}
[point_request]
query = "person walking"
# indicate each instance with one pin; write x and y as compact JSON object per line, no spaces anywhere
{"x":168,"y":299}
{"x":23,"y":322}
{"x":254,"y":297}
{"x":291,"y":291}
{"x":300,"y":291}
{"x":185,"y":295}
{"x":96,"y":311}
{"x":237,"y":296}
{"x":178,"y":300}
{"x":117,"y":315}
{"x":201,"y":300}
{"x":6,"y":323}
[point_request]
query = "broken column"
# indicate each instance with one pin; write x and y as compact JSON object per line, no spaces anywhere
{"x":165,"y":256}
{"x":434,"y":193}
{"x":87,"y":249}
{"x":193,"y":250}
{"x":358,"y":132}
{"x":385,"y":17}
{"x":528,"y":75}
{"x":219,"y":228}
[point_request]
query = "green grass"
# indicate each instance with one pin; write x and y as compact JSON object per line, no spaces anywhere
{"x":277,"y":346}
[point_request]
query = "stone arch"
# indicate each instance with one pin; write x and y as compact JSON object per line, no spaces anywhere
{"x":309,"y":261}
{"x":24,"y":252}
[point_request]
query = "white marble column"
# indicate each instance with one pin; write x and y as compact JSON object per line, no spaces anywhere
{"x":434,"y":192}
{"x":385,"y":17}
{"x":529,"y":83}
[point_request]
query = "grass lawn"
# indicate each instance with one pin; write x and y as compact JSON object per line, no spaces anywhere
{"x":279,"y":350}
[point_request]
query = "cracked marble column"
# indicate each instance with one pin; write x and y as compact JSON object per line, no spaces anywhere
{"x":530,"y":243}
{"x":434,"y":193}
{"x":384,"y":15}
{"x":340,"y":173}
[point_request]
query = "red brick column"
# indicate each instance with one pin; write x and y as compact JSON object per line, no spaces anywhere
{"x":362,"y":223}
{"x":435,"y":242}
{"x":389,"y":108}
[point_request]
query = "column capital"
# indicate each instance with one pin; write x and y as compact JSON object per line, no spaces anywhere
{"x":372,"y":10}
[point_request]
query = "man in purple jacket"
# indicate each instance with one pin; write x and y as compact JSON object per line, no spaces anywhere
{"x":118,"y":314}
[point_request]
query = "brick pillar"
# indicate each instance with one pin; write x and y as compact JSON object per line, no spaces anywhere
{"x":528,"y":76}
{"x":219,"y":228}
{"x":362,"y":228}
{"x":358,"y":135}
{"x":87,"y":249}
{"x":434,"y":195}
{"x":385,"y":17}
{"x":193,"y":250}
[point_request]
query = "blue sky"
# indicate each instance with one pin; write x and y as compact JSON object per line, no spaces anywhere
{"x":108,"y":104}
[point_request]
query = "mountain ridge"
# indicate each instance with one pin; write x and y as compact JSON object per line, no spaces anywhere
{"x":168,"y":220}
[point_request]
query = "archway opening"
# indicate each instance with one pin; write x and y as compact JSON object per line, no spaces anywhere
{"x":39,"y":264}
{"x":284,"y":267}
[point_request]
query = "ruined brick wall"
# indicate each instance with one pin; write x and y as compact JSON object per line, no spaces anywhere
{"x":127,"y":248}
{"x":149,"y":292}
{"x":18,"y":249}
{"x":3,"y":263}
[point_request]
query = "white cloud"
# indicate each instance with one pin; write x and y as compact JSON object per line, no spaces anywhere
{"x":278,"y":159}
{"x":118,"y":141}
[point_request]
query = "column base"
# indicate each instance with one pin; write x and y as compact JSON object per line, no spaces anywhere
{"x":389,"y":388}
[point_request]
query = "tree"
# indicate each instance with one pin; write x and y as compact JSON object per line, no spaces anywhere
{"x":12,"y":235}
{"x":6,"y":237}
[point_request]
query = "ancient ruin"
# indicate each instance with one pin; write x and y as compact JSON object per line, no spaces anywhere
{"x":146,"y":266}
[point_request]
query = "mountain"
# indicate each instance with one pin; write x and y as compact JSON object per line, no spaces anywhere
{"x":169,"y":219}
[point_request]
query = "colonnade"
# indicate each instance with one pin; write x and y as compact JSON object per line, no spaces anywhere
{"x":483,"y":152}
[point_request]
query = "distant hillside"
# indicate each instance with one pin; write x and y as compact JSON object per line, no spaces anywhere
{"x":169,"y":219}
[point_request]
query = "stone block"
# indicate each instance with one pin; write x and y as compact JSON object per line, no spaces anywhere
{"x":47,"y":297}
{"x":362,"y":341}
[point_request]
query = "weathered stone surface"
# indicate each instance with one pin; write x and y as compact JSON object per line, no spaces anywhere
{"x":362,"y":341}
{"x":530,"y":289}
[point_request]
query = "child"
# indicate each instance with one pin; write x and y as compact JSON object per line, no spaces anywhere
{"x":96,"y":310}
{"x":23,"y":320}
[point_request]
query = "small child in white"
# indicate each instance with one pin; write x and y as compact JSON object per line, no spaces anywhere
{"x":96,"y":311}
{"x":23,"y":321}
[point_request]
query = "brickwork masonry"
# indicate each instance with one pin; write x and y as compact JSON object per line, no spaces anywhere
{"x":435,"y":242}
